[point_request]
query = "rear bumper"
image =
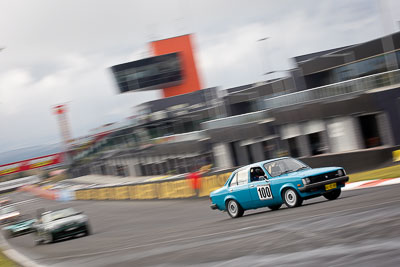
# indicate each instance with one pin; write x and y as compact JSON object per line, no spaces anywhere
{"x":213,"y":206}
{"x":320,"y":185}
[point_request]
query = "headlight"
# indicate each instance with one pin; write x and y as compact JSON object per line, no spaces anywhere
{"x":340,"y":172}
{"x":50,"y":227}
{"x":306,"y":180}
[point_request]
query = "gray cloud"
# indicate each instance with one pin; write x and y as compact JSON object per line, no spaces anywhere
{"x":60,"y":51}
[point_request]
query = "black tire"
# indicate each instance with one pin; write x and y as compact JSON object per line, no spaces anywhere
{"x":7,"y":234}
{"x":88,"y":231}
{"x":37,"y":241}
{"x":332,"y":195}
{"x":234,"y":209}
{"x":275,"y":207}
{"x":49,"y":238}
{"x":291,"y":198}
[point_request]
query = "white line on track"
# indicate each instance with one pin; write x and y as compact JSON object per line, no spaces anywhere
{"x":215,"y":234}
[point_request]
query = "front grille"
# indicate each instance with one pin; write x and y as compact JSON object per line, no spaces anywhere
{"x":323,"y":177}
{"x":66,"y":232}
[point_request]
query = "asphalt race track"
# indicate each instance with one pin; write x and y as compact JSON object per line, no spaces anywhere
{"x":361,"y":228}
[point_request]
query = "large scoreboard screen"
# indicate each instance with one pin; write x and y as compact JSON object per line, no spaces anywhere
{"x":149,"y":73}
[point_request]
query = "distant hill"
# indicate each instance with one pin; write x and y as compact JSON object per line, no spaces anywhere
{"x":28,"y":152}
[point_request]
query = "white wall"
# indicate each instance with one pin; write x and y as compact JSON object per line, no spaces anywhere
{"x":343,"y":135}
{"x":222,"y":155}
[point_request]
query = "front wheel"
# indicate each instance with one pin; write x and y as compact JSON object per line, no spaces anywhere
{"x":333,"y":194}
{"x":36,"y":239}
{"x":48,"y":238}
{"x":234,"y":209}
{"x":291,"y":198}
{"x":88,"y":230}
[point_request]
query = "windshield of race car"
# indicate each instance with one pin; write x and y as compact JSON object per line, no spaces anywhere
{"x":282,"y":166}
{"x":59,"y":214}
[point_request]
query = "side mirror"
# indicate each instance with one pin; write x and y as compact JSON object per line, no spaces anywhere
{"x":39,"y":213}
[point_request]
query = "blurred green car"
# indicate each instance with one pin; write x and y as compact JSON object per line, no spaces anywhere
{"x":60,"y":224}
{"x":21,"y":227}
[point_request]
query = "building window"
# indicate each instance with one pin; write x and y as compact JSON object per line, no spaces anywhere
{"x":293,"y":149}
{"x":370,"y":132}
{"x":316,"y":145}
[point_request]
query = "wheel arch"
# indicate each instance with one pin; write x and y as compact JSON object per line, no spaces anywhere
{"x":287,"y":186}
{"x":229,"y":197}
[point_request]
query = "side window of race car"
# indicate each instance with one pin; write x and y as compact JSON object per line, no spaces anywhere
{"x":234,"y":180}
{"x":243,"y":176}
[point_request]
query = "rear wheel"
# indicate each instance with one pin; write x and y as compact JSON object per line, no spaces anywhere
{"x":332,"y":195}
{"x":234,"y":209}
{"x":291,"y":198}
{"x":7,"y":234}
{"x":275,"y":207}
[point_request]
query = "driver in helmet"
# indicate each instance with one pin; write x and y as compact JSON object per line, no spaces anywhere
{"x":258,"y":175}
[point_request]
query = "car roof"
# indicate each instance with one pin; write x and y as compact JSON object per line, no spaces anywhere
{"x":257,"y":164}
{"x":58,"y":210}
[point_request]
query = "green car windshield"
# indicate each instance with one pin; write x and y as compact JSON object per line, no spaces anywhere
{"x":59,"y":214}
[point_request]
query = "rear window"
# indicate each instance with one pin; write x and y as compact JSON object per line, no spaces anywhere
{"x":234,"y":180}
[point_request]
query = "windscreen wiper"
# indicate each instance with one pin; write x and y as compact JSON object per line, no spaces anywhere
{"x":301,"y":168}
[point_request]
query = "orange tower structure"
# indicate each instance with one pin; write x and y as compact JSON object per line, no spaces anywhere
{"x":183,"y":46}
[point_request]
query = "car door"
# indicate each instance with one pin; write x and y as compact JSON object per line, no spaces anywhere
{"x":261,"y":193}
{"x":239,"y":188}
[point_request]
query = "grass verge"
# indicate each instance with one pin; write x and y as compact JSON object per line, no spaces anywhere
{"x":6,"y":262}
{"x":388,"y":172}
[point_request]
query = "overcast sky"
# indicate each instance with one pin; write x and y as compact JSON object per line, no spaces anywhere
{"x":60,"y":51}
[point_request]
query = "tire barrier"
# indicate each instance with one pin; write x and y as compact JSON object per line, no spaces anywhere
{"x":155,"y":190}
{"x":396,"y":155}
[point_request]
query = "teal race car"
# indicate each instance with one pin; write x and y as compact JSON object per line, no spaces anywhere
{"x":275,"y":182}
{"x":21,"y":227}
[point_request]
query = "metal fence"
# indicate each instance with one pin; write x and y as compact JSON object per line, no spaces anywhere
{"x":358,"y":85}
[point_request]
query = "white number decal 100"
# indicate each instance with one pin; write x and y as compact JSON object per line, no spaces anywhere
{"x":264,"y":192}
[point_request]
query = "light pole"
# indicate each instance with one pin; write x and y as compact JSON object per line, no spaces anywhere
{"x":261,"y":53}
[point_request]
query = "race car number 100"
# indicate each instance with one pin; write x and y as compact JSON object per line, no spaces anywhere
{"x":264,"y":192}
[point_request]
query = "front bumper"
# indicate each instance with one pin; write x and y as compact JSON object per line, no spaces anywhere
{"x":213,"y":206}
{"x":310,"y":187}
{"x":70,"y":231}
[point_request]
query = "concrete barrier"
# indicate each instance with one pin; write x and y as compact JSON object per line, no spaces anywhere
{"x":175,"y":189}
